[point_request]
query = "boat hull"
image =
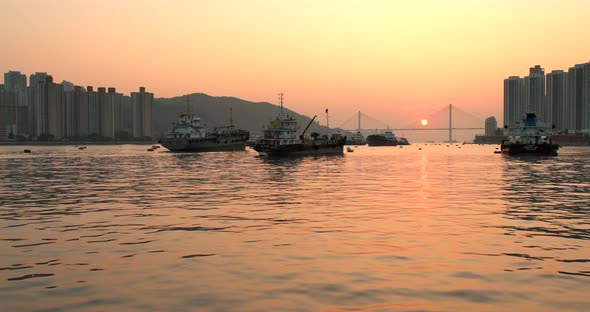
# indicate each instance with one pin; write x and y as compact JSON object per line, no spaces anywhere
{"x":543,"y":149}
{"x":379,"y":140}
{"x":180,"y":145}
{"x":300,"y":149}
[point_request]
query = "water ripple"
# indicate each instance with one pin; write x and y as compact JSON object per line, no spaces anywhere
{"x":426,"y":227}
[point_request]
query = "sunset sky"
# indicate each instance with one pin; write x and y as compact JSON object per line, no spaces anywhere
{"x":395,"y":60}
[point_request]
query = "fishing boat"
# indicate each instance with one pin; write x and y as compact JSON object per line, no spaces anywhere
{"x":281,"y":138}
{"x":529,"y":137}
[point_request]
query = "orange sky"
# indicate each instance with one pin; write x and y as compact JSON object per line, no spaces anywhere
{"x":395,"y":60}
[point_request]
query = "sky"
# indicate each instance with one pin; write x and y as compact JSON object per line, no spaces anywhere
{"x":396,"y":61}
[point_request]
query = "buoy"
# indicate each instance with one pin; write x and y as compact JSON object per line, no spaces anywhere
{"x":27,"y":151}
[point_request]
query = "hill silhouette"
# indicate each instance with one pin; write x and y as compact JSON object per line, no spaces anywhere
{"x":214,"y":111}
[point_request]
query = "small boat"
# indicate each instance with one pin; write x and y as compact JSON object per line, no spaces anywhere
{"x":529,"y":137}
{"x":349,"y":149}
{"x":27,"y":151}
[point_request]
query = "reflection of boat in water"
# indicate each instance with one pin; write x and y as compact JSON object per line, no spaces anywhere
{"x":189,"y":134}
{"x":357,"y":138}
{"x":530,"y":137}
{"x":281,"y":139}
{"x":387,"y":138}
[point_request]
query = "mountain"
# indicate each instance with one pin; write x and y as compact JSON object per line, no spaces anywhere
{"x":214,"y":111}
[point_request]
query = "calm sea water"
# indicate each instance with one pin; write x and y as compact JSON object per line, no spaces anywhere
{"x":419,"y":228}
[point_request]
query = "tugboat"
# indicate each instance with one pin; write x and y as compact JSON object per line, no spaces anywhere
{"x":357,"y":138}
{"x":189,"y":134}
{"x":387,"y":138}
{"x":530,"y":137}
{"x":281,"y":139}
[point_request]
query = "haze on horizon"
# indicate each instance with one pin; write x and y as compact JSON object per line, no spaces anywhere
{"x":394,"y":60}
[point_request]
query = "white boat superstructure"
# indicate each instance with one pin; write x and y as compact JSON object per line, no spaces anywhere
{"x":187,"y":126}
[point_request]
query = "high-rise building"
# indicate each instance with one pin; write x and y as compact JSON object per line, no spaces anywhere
{"x":107,"y":113}
{"x":142,"y":113}
{"x":114,"y":105}
{"x":534,"y":94}
{"x":56,"y":112}
{"x":14,"y":81}
{"x":513,"y":96}
{"x":83,"y":112}
{"x":13,"y":105}
{"x":93,"y":112}
{"x":37,"y":78}
{"x":45,"y":100}
{"x":68,"y":86}
{"x":126,"y":113}
{"x":491,"y":125}
{"x":578,"y":84}
{"x":556,"y":99}
{"x":76,"y":112}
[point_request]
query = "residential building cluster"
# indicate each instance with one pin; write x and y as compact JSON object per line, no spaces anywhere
{"x":560,"y":99}
{"x":44,"y":110}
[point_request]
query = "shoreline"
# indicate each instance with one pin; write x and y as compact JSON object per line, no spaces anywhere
{"x":36,"y":143}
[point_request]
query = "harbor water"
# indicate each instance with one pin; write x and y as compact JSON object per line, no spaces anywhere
{"x":419,"y":228}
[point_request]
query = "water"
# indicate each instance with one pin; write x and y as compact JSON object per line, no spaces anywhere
{"x":437,"y":229}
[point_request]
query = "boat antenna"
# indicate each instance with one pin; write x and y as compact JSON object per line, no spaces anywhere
{"x":281,"y":101}
{"x":231,"y":118}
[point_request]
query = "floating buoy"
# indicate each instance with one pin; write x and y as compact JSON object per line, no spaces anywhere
{"x":27,"y":151}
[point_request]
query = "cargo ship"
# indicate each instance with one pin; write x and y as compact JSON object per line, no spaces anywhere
{"x":387,"y":138}
{"x":281,"y":138}
{"x":189,"y":134}
{"x":529,"y":137}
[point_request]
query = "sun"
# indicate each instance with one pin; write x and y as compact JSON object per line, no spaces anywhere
{"x":424,"y":122}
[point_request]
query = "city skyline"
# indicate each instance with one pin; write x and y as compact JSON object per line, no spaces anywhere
{"x":45,"y":110}
{"x":393,"y":59}
{"x":560,"y":98}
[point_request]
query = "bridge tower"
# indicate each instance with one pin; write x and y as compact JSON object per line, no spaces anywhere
{"x":450,"y":123}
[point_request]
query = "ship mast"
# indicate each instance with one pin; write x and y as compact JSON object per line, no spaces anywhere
{"x":231,"y":118}
{"x":281,"y":101}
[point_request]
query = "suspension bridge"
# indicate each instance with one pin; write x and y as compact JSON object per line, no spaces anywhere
{"x":450,"y":118}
